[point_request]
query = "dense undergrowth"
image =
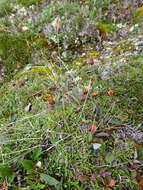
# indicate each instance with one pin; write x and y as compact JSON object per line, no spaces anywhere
{"x":71,"y":95}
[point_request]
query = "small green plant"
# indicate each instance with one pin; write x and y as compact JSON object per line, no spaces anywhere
{"x":29,"y":2}
{"x":5,"y":7}
{"x":13,"y":51}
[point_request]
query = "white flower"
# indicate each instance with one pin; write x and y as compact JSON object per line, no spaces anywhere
{"x":96,"y":146}
{"x":119,"y":25}
{"x":12,"y":16}
{"x":31,"y":7}
{"x":27,"y":67}
{"x":70,"y":72}
{"x":22,"y":11}
{"x":131,"y":29}
{"x":136,"y":25}
{"x":25,"y":28}
{"x":39,"y":164}
{"x":17,"y":7}
{"x":77,"y":79}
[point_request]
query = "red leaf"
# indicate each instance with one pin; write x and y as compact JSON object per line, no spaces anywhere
{"x":85,"y":91}
{"x":112,"y":183}
{"x":92,"y":128}
{"x":90,"y":61}
{"x":81,"y":178}
{"x":92,"y":178}
{"x":51,"y":101}
{"x":106,"y":174}
{"x":94,"y":94}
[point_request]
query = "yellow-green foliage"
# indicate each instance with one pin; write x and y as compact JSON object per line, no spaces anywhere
{"x":79,"y":61}
{"x":27,"y":3}
{"x":123,"y":46}
{"x":44,"y":72}
{"x":40,"y":70}
{"x":48,"y":96}
{"x":103,"y":28}
{"x":139,"y":15}
{"x":139,"y":11}
{"x":92,"y":54}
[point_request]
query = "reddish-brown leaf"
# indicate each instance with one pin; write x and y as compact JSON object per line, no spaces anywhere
{"x":112,"y":183}
{"x":139,"y":179}
{"x":94,"y":94}
{"x":110,"y":92}
{"x":51,"y":101}
{"x":90,"y":61}
{"x":81,"y":178}
{"x":92,"y":128}
{"x":85,"y":91}
{"x":92,"y":178}
{"x":129,"y":111}
{"x":1,"y":92}
{"x":106,"y":174}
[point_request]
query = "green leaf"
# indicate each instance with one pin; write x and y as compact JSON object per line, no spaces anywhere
{"x":51,"y":181}
{"x":109,"y":158}
{"x":139,"y":11}
{"x":36,"y":154}
{"x":114,"y":121}
{"x":6,"y":171}
{"x":28,"y":165}
{"x":76,"y":92}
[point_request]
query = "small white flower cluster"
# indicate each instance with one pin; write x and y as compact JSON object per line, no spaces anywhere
{"x":133,"y":27}
{"x":77,"y":79}
{"x":11,"y":17}
{"x":120,"y":25}
{"x":17,"y":7}
{"x":22,"y":11}
{"x":21,"y":15}
{"x":70,"y":72}
{"x":32,"y":7}
{"x":25,"y":28}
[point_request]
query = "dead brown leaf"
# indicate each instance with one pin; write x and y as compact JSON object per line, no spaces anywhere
{"x":57,"y":24}
{"x":139,"y":179}
{"x":110,"y":92}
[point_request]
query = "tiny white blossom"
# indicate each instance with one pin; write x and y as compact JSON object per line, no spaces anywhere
{"x":136,"y":25}
{"x":131,"y":29}
{"x":119,"y":25}
{"x":22,"y":11}
{"x":38,"y":164}
{"x":96,"y":146}
{"x":31,"y":7}
{"x":17,"y":7}
{"x":25,"y":28}
{"x":77,"y":79}
{"x":70,"y":72}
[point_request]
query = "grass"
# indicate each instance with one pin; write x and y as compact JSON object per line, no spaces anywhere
{"x":5,"y":8}
{"x":52,"y":99}
{"x":63,"y":138}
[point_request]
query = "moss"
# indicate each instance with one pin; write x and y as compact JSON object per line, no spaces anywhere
{"x":123,"y":46}
{"x":14,"y":51}
{"x":29,"y":2}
